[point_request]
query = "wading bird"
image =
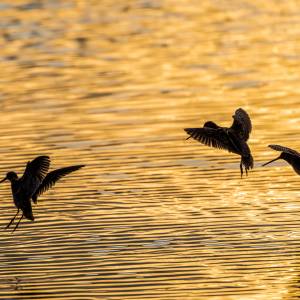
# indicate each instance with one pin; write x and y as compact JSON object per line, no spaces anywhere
{"x":234,"y":139}
{"x":289,"y":155}
{"x":34,"y":182}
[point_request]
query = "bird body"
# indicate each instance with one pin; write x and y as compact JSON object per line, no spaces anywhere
{"x":233,"y":139}
{"x":289,"y":155}
{"x":34,"y":182}
{"x":21,"y":200}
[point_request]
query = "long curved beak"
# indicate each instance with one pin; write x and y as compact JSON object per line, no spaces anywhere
{"x":3,"y":180}
{"x":271,"y":161}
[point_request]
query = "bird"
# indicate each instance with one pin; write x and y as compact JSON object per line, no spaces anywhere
{"x":234,"y":138}
{"x":35,"y":181}
{"x":289,"y":155}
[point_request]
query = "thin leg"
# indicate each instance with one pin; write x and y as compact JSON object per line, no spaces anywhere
{"x":12,"y":219}
{"x":18,"y":223}
{"x":246,"y":171}
{"x":241,"y":168}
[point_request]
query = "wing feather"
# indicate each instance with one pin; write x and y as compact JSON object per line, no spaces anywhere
{"x":34,"y":173}
{"x":242,"y":124}
{"x":52,"y":178}
{"x":216,"y":138}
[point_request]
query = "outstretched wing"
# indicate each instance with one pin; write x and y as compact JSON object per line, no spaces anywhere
{"x":52,"y":178}
{"x":242,"y":124}
{"x":216,"y":138}
{"x":285,"y":150}
{"x":38,"y":167}
{"x":34,"y":174}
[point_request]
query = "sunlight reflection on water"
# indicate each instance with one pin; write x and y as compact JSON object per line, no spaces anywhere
{"x":112,"y":85}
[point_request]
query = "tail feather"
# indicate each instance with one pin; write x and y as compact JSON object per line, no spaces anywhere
{"x":28,"y":215}
{"x":247,"y":162}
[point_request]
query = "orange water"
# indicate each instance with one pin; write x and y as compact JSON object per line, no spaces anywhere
{"x":111,"y":84}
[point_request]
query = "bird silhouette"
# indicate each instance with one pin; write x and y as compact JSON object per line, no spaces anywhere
{"x":34,"y":182}
{"x":234,"y":139}
{"x":289,"y":155}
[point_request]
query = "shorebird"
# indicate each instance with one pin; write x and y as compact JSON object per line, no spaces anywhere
{"x":234,"y":139}
{"x":289,"y":155}
{"x":34,"y":182}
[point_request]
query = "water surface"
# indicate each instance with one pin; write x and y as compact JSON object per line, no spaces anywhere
{"x":152,"y":216}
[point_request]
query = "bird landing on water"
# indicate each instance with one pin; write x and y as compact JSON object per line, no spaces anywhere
{"x":234,"y":138}
{"x":35,"y":181}
{"x":289,"y":155}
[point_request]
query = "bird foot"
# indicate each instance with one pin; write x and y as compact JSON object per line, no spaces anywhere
{"x":242,"y":172}
{"x":8,"y":225}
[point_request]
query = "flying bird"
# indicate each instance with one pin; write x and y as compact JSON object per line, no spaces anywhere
{"x":234,"y":139}
{"x":289,"y":155}
{"x":35,"y":181}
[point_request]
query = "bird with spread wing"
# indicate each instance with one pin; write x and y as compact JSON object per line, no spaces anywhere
{"x":233,"y":139}
{"x":35,"y":181}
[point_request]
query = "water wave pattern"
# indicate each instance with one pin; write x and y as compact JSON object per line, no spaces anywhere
{"x":152,"y":215}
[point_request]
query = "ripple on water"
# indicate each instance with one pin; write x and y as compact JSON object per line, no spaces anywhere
{"x":151,"y":216}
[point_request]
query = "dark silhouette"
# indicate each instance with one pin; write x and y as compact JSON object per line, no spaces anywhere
{"x":234,"y":139}
{"x":34,"y":182}
{"x":289,"y":155}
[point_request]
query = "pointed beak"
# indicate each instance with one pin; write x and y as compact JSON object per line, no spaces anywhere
{"x":271,"y":161}
{"x":3,"y":180}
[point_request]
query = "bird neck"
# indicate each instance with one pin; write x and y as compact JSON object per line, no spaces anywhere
{"x":13,"y":181}
{"x":287,"y":157}
{"x":293,"y":161}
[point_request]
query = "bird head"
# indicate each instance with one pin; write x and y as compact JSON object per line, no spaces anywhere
{"x":11,"y":176}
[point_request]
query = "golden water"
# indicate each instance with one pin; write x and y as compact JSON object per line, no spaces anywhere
{"x":111,"y":84}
